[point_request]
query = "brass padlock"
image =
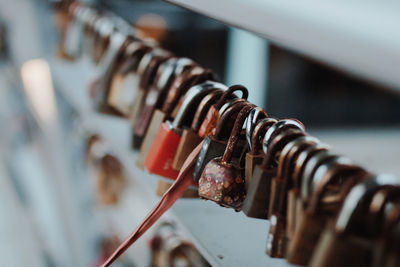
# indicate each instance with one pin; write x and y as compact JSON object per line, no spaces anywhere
{"x":215,"y":144}
{"x":328,"y":171}
{"x":256,"y":203}
{"x":256,"y":155}
{"x":345,"y":243}
{"x":222,"y":179}
{"x":190,"y":138}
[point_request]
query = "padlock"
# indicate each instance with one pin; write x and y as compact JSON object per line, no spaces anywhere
{"x":255,"y":155}
{"x":285,"y":170}
{"x":190,"y":138}
{"x":214,"y":114}
{"x":256,"y":203}
{"x":102,"y":30}
{"x":146,"y":70}
{"x":325,"y":168}
{"x":106,"y":67}
{"x":157,"y":93}
{"x":125,"y":81}
{"x":277,"y":237}
{"x":215,"y":144}
{"x":89,"y":33}
{"x":345,"y":243}
{"x":72,"y":46}
{"x":179,"y":86}
{"x":222,"y":179}
{"x":161,"y":154}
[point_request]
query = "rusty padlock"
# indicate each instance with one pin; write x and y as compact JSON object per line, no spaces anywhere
{"x":215,"y":144}
{"x":327,"y":169}
{"x":344,"y":244}
{"x":190,"y":138}
{"x":277,"y":237}
{"x":160,"y":157}
{"x":222,"y":179}
{"x":215,"y":112}
{"x":157,"y":93}
{"x":256,"y":203}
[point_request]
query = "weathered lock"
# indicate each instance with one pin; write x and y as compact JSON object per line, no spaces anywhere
{"x":179,"y":86}
{"x":277,"y":238}
{"x":161,"y":154}
{"x":255,"y":155}
{"x":214,"y":114}
{"x":190,"y":138}
{"x":125,"y":81}
{"x":146,"y":70}
{"x":222,"y":179}
{"x":284,"y":205}
{"x":256,"y":203}
{"x":346,"y":242}
{"x":325,"y":168}
{"x":102,"y":30}
{"x":215,"y":144}
{"x":157,"y":93}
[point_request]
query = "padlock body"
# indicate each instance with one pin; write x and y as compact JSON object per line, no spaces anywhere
{"x":251,"y":161}
{"x":162,"y":153}
{"x":223,"y":184}
{"x":156,"y":121}
{"x":276,"y":240}
{"x":188,"y":142}
{"x":256,"y":204}
{"x":209,"y":122}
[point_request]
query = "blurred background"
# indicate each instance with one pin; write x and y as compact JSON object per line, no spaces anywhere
{"x":54,"y":208}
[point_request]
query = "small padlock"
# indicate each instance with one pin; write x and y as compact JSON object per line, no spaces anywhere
{"x":73,"y":40}
{"x":157,"y":93}
{"x":222,"y":180}
{"x":146,"y":70}
{"x":256,"y":203}
{"x":178,"y":88}
{"x":215,"y":144}
{"x":255,"y":155}
{"x":125,"y":81}
{"x":286,"y":200}
{"x":190,"y":138}
{"x":345,"y":244}
{"x":102,"y":30}
{"x":277,"y":239}
{"x":214,"y":114}
{"x":314,"y":218}
{"x":160,"y":157}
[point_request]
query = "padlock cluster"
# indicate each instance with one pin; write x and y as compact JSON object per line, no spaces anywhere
{"x":323,"y":209}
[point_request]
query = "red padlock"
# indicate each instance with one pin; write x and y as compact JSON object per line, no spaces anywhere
{"x":161,"y":155}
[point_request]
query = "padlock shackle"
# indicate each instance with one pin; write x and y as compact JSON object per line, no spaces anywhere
{"x":230,"y":103}
{"x":150,"y":72}
{"x":326,"y":173}
{"x":132,"y":57}
{"x":222,"y":122}
{"x":358,"y":194}
{"x":259,"y":131}
{"x":277,"y":128}
{"x":302,"y":160}
{"x":191,"y":100}
{"x":235,"y":135}
{"x":203,"y":108}
{"x":278,"y":142}
{"x":311,"y":166}
{"x":191,"y":76}
{"x":229,"y":93}
{"x":254,"y":116}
